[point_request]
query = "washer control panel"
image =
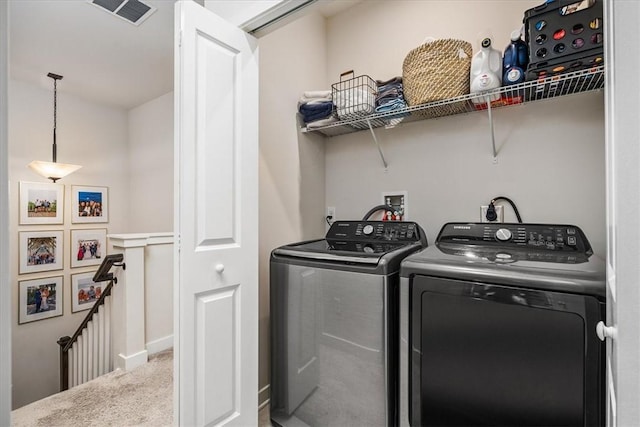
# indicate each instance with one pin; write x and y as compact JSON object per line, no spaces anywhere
{"x":395,"y":231}
{"x":535,"y":237}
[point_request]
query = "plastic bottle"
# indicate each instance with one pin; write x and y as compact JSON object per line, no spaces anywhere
{"x":515,"y":60}
{"x":486,"y":70}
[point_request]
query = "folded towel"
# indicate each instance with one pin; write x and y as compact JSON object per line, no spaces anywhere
{"x":396,"y":104}
{"x":305,"y":100}
{"x":390,"y":81}
{"x":354,"y":101}
{"x":311,"y":112}
{"x":317,"y":94}
{"x":322,"y":122}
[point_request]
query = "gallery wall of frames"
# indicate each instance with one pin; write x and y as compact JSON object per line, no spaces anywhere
{"x":45,"y":250}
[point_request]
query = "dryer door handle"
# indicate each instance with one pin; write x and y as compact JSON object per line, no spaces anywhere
{"x":603,"y":331}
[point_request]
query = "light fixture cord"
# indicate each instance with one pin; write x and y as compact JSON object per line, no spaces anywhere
{"x":55,"y":111}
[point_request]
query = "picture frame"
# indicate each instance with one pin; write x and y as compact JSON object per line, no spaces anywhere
{"x":88,"y":246}
{"x":40,"y":251}
{"x":34,"y":304}
{"x":84,"y":291}
{"x":89,"y":204}
{"x":41,"y":203}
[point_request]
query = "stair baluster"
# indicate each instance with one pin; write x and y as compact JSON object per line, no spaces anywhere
{"x":87,"y":354}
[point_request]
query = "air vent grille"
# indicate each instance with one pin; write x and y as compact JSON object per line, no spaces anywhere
{"x":133,"y":11}
{"x":110,"y":5}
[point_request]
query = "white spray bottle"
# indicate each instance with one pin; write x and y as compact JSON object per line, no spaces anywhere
{"x":486,"y":70}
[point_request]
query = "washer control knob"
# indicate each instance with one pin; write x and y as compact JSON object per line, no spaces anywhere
{"x":367,"y":229}
{"x":503,"y":235}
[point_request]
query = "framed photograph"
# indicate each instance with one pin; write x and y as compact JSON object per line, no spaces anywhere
{"x":40,"y":251}
{"x":41,"y":203}
{"x":89,"y":204}
{"x":88,"y":247}
{"x":40,"y":299}
{"x":84,"y":291}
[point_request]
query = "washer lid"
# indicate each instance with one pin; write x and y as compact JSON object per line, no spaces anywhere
{"x":347,"y":251}
{"x":361,"y":242}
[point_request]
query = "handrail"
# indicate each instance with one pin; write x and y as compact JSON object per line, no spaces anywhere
{"x":66,"y":342}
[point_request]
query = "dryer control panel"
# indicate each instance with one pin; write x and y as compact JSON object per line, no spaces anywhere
{"x":533,"y":237}
{"x":393,"y":231}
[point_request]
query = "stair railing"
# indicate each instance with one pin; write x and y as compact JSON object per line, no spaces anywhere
{"x":89,"y":346}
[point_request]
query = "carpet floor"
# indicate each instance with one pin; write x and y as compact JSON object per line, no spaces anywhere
{"x":140,"y":397}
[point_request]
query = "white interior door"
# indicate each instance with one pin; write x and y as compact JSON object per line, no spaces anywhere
{"x":623,"y":206}
{"x":216,"y":219}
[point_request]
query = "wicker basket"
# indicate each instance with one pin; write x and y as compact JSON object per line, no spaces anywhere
{"x":436,"y":70}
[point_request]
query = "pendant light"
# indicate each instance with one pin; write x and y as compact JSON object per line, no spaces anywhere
{"x":53,"y":170}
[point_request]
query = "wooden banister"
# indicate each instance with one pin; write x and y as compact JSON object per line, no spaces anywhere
{"x":66,"y":342}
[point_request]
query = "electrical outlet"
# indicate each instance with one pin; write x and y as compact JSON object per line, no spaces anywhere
{"x":499,"y":214}
{"x":331,"y":212}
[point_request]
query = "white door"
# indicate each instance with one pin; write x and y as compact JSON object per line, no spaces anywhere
{"x":216,"y":220}
{"x":623,"y":207}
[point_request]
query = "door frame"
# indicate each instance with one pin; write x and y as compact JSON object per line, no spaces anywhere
{"x":622,"y":104}
{"x":5,"y":273}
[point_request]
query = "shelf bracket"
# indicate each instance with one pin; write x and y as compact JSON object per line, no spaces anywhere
{"x":375,"y":139}
{"x":493,"y":137}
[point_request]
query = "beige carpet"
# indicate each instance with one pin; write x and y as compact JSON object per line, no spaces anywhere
{"x":141,"y":397}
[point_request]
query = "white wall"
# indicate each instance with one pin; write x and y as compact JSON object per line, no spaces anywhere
{"x":158,"y":295}
{"x":291,"y":164}
{"x":90,"y":135}
{"x":551,"y":159}
{"x":150,"y":165}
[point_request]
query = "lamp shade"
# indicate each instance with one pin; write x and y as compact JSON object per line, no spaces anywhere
{"x":53,"y":170}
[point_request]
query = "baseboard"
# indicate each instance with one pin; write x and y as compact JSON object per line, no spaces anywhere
{"x":127,"y":363}
{"x":263,"y":396}
{"x":159,"y":345}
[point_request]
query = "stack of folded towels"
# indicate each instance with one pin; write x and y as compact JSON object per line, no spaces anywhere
{"x":390,"y":96}
{"x":316,"y":108}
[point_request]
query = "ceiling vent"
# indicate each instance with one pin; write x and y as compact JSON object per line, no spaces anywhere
{"x":132,"y":11}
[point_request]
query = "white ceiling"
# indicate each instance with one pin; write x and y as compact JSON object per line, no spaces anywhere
{"x":102,"y":57}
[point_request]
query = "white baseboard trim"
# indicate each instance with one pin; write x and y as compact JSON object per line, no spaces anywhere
{"x":160,"y":344}
{"x":263,"y":396}
{"x":127,"y":363}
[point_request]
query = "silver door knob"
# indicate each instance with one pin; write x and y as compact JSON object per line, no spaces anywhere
{"x":219,"y":268}
{"x":603,"y":331}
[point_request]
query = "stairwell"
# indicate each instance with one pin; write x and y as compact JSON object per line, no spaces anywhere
{"x":138,"y":392}
{"x":141,"y":397}
{"x":129,"y":340}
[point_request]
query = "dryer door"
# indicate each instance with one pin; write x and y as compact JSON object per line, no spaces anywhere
{"x":485,"y":354}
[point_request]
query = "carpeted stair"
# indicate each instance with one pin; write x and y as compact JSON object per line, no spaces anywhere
{"x":141,"y":397}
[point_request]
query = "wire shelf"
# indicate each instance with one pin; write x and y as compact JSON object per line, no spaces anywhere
{"x":561,"y":85}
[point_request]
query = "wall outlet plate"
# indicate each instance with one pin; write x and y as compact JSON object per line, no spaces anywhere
{"x":499,"y":213}
{"x":331,"y":211}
